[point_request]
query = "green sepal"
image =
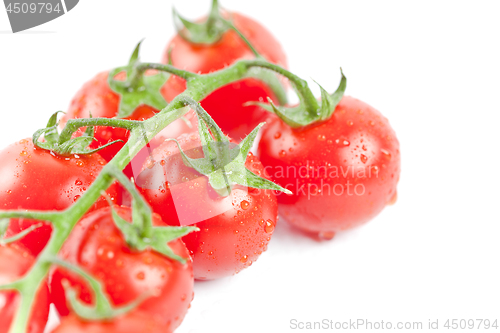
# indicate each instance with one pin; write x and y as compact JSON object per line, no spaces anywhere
{"x":141,"y":234}
{"x":51,"y":135}
{"x":138,"y":89}
{"x":207,"y":32}
{"x":134,"y":58}
{"x":74,"y":146}
{"x":298,"y":116}
{"x":157,"y":241}
{"x":327,"y":106}
{"x":102,"y":310}
{"x":224,"y":162}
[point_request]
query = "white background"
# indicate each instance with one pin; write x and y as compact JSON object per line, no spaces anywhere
{"x":431,"y":67}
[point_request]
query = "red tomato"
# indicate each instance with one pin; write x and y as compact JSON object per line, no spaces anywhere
{"x":130,"y":323}
{"x":34,"y":178}
{"x":98,"y":246}
{"x":342,"y":172}
{"x":225,"y":105}
{"x":14,"y":263}
{"x":97,"y":98}
{"x":234,"y":230}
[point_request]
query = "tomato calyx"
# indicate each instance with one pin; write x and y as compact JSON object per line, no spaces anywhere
{"x":224,"y":162}
{"x":308,"y":112}
{"x":207,"y":32}
{"x":62,"y":144}
{"x":102,"y":309}
{"x":141,"y":235}
{"x":138,"y":89}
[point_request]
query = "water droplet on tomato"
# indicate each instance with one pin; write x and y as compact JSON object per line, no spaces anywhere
{"x":23,"y":153}
{"x":386,"y":153}
{"x":244,"y":259}
{"x":326,"y":235}
{"x":150,"y":164}
{"x":78,"y":182}
{"x":80,"y":163}
{"x":76,"y":197}
{"x":277,"y":135}
{"x":393,"y":199}
{"x":245,"y":204}
{"x":269,"y":226}
{"x":321,"y":137}
{"x":342,"y":142}
{"x":141,"y":275}
{"x":363,"y":158}
{"x":350,"y":123}
{"x":282,"y":153}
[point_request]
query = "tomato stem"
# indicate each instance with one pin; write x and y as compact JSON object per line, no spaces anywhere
{"x":187,"y":75}
{"x":74,"y":124}
{"x":63,"y":222}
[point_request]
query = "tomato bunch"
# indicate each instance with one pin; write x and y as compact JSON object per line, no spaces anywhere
{"x":122,"y":250}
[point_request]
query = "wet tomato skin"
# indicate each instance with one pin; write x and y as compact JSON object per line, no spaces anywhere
{"x":99,"y":247}
{"x":14,"y":263}
{"x":234,"y":230}
{"x":225,"y":105}
{"x":40,"y":180}
{"x":129,"y":323}
{"x":342,"y":172}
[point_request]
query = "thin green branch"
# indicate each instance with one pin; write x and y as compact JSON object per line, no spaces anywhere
{"x":74,"y":124}
{"x":250,"y":46}
{"x":141,"y":210}
{"x":52,"y":216}
{"x":20,"y":235}
{"x":187,"y":75}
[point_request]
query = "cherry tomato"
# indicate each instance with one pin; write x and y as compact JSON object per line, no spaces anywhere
{"x":34,"y":178}
{"x":342,"y":172}
{"x":234,"y":230}
{"x":97,"y":98}
{"x":225,"y":105}
{"x":14,"y":263}
{"x":130,"y":323}
{"x":98,"y":246}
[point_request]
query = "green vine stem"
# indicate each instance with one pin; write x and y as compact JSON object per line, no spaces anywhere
{"x":74,"y":124}
{"x":198,"y":87}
